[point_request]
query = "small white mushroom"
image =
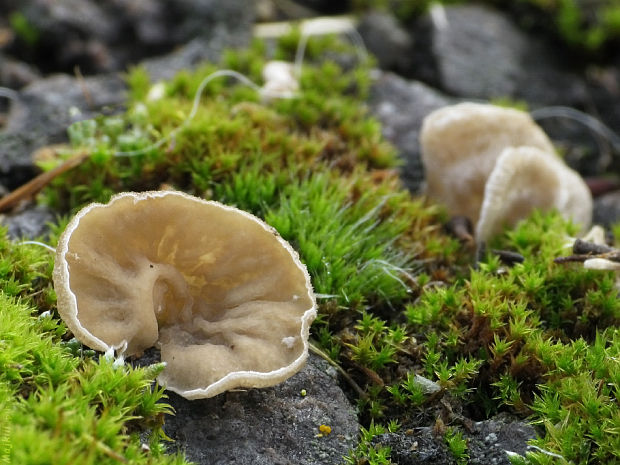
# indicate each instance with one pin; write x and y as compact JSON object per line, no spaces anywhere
{"x":220,"y":292}
{"x":525,"y":178}
{"x":460,"y":146}
{"x":494,"y":165}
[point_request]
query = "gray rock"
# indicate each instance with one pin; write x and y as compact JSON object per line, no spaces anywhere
{"x":16,"y":74}
{"x":209,"y":28}
{"x":109,"y":36}
{"x":42,"y":114}
{"x":71,"y":33}
{"x":480,"y":53}
{"x":417,"y":446}
{"x":268,"y":426}
{"x":487,"y":443}
{"x":607,"y":209}
{"x":71,"y":17}
{"x":46,"y":105}
{"x":208,"y":19}
{"x":387,"y":40}
{"x":401,"y":106}
{"x":583,"y":149}
{"x":16,"y":166}
{"x":190,"y":55}
{"x":29,"y":223}
{"x":604,"y":89}
{"x":281,"y":10}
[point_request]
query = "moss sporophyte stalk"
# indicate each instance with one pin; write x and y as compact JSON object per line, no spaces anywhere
{"x":401,"y":311}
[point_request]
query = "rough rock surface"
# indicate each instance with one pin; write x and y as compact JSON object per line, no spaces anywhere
{"x":191,"y":54}
{"x":416,"y":447}
{"x":16,"y":74}
{"x":107,"y":36}
{"x":607,"y":209}
{"x":272,"y":426}
{"x":497,"y":60}
{"x":487,"y":443}
{"x":387,"y":40}
{"x":491,"y":439}
{"x":584,"y":150}
{"x":43,"y":112}
{"x":29,"y":223}
{"x":401,"y":106}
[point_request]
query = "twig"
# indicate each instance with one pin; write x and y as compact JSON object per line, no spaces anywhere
{"x":32,"y":187}
{"x":583,"y":250}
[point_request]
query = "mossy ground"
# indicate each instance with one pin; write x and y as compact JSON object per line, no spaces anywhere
{"x":397,"y":295}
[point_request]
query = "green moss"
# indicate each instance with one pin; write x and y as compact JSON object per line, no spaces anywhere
{"x":508,"y":102}
{"x":231,"y":135}
{"x":539,"y":339}
{"x":61,"y":409}
{"x":25,"y":271}
{"x":349,"y":248}
{"x":457,"y":445}
{"x":577,"y":402}
{"x":367,"y":453}
{"x":536,"y":334}
{"x":56,"y":405}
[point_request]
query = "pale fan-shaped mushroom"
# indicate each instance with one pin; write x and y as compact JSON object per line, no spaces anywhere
{"x":460,"y":145}
{"x":223,"y":295}
{"x":525,"y":178}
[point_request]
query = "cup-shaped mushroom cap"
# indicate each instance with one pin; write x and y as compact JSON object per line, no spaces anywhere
{"x":525,"y":178}
{"x":460,"y":145}
{"x":224,"y":296}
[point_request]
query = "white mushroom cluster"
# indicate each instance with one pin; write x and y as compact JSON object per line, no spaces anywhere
{"x":494,"y":165}
{"x":223,"y":296}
